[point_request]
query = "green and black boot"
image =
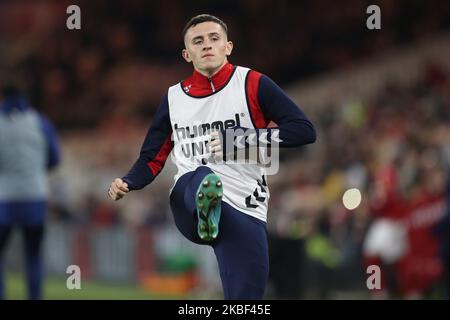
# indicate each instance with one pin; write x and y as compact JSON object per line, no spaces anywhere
{"x":208,"y":200}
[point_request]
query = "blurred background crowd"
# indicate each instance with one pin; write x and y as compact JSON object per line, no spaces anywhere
{"x":380,"y":100}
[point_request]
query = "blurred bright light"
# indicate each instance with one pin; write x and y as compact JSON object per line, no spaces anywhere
{"x":351,"y":198}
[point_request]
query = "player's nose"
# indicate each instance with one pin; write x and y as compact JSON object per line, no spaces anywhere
{"x":207,"y":47}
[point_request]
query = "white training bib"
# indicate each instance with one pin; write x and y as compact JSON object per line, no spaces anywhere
{"x":192,"y":118}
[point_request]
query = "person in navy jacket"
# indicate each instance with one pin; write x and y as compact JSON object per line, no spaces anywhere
{"x":28,"y":150}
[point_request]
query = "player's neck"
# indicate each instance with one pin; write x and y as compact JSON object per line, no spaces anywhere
{"x":199,"y":84}
{"x":211,"y":73}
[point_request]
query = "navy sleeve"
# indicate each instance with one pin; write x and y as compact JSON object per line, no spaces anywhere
{"x":53,"y":151}
{"x":154,"y":151}
{"x":294,"y":127}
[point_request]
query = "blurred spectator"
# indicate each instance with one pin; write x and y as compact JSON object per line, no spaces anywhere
{"x":28,"y":150}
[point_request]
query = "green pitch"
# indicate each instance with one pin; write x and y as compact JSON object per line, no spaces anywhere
{"x":55,"y":289}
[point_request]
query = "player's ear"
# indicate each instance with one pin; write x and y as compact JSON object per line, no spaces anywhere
{"x":186,"y":56}
{"x":229,"y":48}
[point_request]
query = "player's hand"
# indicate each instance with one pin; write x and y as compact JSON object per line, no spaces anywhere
{"x":215,"y":145}
{"x":118,"y":189}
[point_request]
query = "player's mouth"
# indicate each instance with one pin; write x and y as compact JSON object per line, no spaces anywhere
{"x":208,"y":55}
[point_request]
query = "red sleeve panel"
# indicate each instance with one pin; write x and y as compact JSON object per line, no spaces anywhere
{"x":251,"y":93}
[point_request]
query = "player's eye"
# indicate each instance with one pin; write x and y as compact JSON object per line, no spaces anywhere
{"x":198,"y":42}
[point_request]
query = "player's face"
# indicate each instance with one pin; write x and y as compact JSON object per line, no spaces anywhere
{"x":207,"y":47}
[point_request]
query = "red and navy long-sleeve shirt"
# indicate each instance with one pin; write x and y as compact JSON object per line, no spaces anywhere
{"x":266,"y":102}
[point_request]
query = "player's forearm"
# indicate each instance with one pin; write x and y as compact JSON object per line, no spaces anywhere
{"x":289,"y":135}
{"x":139,"y":175}
{"x":154,"y":151}
{"x":296,"y":133}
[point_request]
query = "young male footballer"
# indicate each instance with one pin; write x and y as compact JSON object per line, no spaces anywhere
{"x":219,"y":203}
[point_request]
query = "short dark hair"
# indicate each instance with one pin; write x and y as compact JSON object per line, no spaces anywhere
{"x":204,"y":18}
